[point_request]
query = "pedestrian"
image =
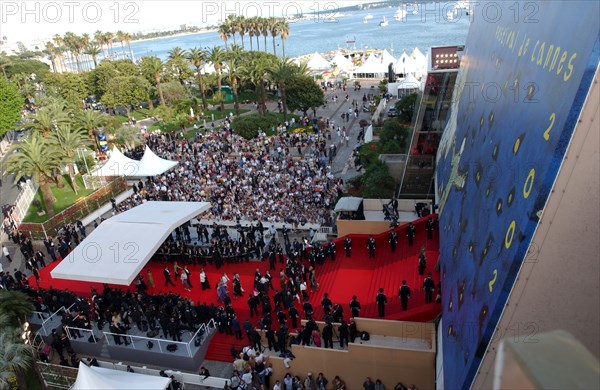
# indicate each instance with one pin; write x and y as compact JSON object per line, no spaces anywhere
{"x":429,"y":287}
{"x":6,"y":253}
{"x":404,"y":294}
{"x":381,"y":300}
{"x":150,"y":278}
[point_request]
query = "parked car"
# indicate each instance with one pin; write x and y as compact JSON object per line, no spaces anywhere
{"x":392,"y":112}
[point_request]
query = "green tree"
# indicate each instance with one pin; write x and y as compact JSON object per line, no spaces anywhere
{"x":406,"y":106}
{"x":173,"y":91}
{"x":69,"y":140}
{"x":234,"y":57}
{"x":126,"y":91}
{"x":178,"y":64}
{"x":11,"y":104}
{"x":38,"y":158}
{"x":152,"y":68}
{"x":216,"y":56}
{"x":393,"y":137}
{"x":69,"y":86}
{"x":93,"y":50}
{"x":91,"y":121}
{"x":303,"y":94}
{"x":28,"y":67}
{"x":47,"y":118}
{"x":281,"y":73}
{"x":197,"y":57}
{"x":127,"y":136}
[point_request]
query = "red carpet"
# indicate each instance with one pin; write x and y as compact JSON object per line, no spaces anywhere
{"x":357,"y":275}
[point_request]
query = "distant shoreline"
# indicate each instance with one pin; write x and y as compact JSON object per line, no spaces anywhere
{"x":181,"y":34}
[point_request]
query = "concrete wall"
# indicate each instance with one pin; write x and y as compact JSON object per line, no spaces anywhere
{"x":391,"y":365}
{"x":558,"y":284}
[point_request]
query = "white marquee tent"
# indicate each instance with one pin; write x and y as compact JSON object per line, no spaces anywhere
{"x":152,"y":165}
{"x":387,"y":58}
{"x":372,"y":67}
{"x":342,"y":62}
{"x":317,"y":62}
{"x":118,"y":165}
{"x":404,"y":65}
{"x":93,"y":378}
{"x":117,"y":250}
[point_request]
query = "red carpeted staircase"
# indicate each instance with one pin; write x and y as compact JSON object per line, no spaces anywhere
{"x":341,"y":279}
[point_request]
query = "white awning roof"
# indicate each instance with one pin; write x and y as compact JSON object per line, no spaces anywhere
{"x":409,"y":82}
{"x":152,"y":165}
{"x":117,"y":250}
{"x":348,"y":203}
{"x":93,"y":378}
{"x":118,"y":165}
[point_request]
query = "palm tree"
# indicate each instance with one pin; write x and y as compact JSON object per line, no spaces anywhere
{"x":69,"y":140}
{"x":127,"y":38}
{"x":224,"y":33}
{"x":90,"y":121}
{"x":216,"y":57}
{"x":256,"y":71}
{"x":121,"y":38}
{"x":284,"y":33}
{"x":274,"y":30}
{"x":281,"y":73}
{"x":128,"y":135}
{"x":264,"y":29}
{"x":197,"y":57}
{"x":50,"y":49}
{"x":59,"y":43}
{"x":234,"y":56}
{"x":232,"y":25}
{"x":108,"y":39}
{"x":82,"y":43}
{"x":154,"y":66}
{"x":93,"y":50}
{"x":16,"y":305}
{"x":249,"y":27}
{"x":242,"y":28}
{"x":46,"y":119}
{"x":99,"y":38}
{"x":177,"y":62}
{"x":16,"y":357}
{"x":38,"y":158}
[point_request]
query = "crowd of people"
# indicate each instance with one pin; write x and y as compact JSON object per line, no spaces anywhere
{"x":258,"y":179}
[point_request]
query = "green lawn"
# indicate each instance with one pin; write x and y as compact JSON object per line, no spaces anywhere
{"x":138,"y":114}
{"x":218,"y":115}
{"x":65,"y":197}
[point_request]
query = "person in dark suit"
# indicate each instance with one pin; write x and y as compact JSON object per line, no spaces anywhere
{"x":348,"y":246}
{"x":404,"y":294}
{"x":328,"y":335}
{"x":429,"y":287}
{"x":410,"y":233}
{"x":381,"y":300}
{"x":429,"y":228}
{"x":393,"y":239}
{"x":354,"y":306}
{"x":422,"y":262}
{"x":167,"y":275}
{"x":331,"y":249}
{"x":371,"y":247}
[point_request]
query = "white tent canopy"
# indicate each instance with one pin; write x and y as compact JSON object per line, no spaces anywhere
{"x":117,"y":250}
{"x":317,"y":62}
{"x":118,"y":165}
{"x":405,"y":64}
{"x":342,"y":62}
{"x":409,"y":82}
{"x":387,"y":58}
{"x":372,"y":65}
{"x":152,"y":165}
{"x":94,"y":378}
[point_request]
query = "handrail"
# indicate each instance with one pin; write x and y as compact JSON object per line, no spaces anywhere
{"x":131,"y":337}
{"x":52,"y":316}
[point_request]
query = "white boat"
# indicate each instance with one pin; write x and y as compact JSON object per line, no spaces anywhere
{"x":365,"y":20}
{"x":330,"y":20}
{"x":383,"y":22}
{"x":369,"y":16}
{"x":450,"y":15}
{"x":400,"y":14}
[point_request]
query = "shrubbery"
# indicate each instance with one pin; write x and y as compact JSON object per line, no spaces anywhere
{"x":247,"y":126}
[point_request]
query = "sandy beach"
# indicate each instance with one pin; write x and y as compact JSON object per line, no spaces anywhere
{"x":176,"y":35}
